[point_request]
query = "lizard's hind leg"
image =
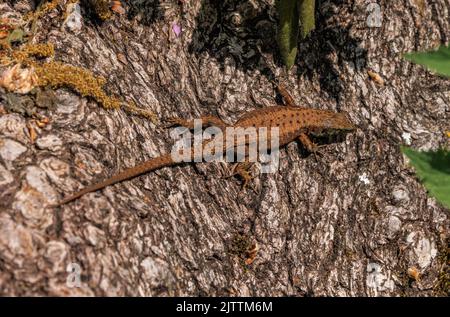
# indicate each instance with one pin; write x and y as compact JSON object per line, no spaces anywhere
{"x":243,"y":170}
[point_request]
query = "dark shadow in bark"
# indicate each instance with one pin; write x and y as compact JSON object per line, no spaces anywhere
{"x":325,"y":50}
{"x":150,"y":10}
{"x":237,"y":29}
{"x":234,"y":28}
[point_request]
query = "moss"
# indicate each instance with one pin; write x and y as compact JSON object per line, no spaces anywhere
{"x":42,"y":9}
{"x":102,"y":8}
{"x":25,"y":54}
{"x":239,"y":245}
{"x":442,"y":287}
{"x":40,"y":50}
{"x":56,"y":74}
{"x":132,"y":108}
{"x":83,"y":81}
{"x":244,"y":248}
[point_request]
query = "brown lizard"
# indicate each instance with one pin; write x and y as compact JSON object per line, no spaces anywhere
{"x":294,"y":123}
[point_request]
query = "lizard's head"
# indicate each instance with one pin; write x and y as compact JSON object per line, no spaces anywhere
{"x":335,"y":123}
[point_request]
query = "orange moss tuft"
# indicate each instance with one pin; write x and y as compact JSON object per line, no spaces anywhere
{"x":83,"y":81}
{"x":102,"y":8}
{"x":42,"y":9}
{"x":40,"y":50}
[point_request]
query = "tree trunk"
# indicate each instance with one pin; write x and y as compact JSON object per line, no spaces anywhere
{"x":352,"y":222}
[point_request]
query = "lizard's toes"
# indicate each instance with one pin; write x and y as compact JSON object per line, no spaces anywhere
{"x":316,"y":150}
{"x":319,"y":154}
{"x":246,"y":178}
{"x":244,"y":184}
{"x":247,"y":184}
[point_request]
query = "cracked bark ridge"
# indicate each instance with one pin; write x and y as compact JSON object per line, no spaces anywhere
{"x":350,"y":224}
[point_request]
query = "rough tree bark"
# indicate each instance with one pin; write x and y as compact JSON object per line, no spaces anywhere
{"x":351,"y":223}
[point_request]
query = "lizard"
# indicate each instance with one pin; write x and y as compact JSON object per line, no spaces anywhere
{"x":294,"y":123}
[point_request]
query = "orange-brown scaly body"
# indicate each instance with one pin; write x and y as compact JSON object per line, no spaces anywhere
{"x":294,"y":123}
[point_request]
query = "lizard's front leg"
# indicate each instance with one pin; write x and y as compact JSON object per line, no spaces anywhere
{"x":308,"y":144}
{"x":207,"y":121}
{"x":287,"y":98}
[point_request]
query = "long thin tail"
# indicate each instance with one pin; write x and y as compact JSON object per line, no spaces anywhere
{"x":151,"y":165}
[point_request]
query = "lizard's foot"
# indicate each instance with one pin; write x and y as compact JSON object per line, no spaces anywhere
{"x":316,"y":151}
{"x":242,"y":169}
{"x":310,"y":145}
{"x":315,"y":148}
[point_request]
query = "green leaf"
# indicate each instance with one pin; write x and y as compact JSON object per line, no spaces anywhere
{"x":288,"y":29}
{"x":436,"y":61}
{"x":433,"y":169}
{"x":307,"y":17}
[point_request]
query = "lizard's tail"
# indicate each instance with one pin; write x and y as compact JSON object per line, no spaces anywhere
{"x":151,"y":165}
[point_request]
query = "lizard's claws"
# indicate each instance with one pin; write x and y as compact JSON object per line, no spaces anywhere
{"x":242,"y":169}
{"x":316,"y":151}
